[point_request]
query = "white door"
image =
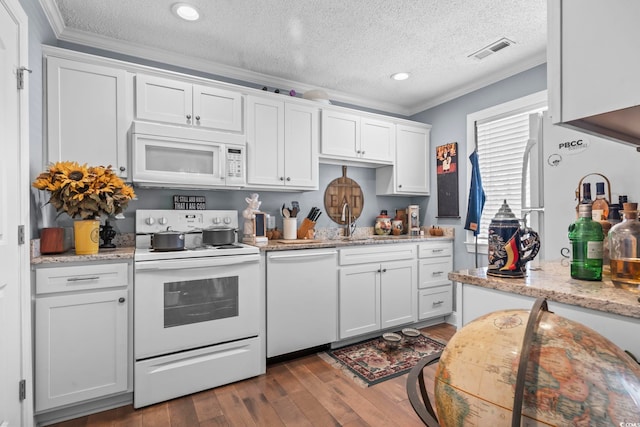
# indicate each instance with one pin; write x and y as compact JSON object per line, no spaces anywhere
{"x":13,"y":129}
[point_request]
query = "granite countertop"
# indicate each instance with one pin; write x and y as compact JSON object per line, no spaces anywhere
{"x":126,"y":252}
{"x":283,"y":245}
{"x":552,"y":280}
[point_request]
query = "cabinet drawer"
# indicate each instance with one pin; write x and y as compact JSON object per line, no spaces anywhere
{"x":427,"y":250}
{"x":434,"y":302}
{"x":434,"y":271}
{"x":80,"y":277}
{"x":376,"y":253}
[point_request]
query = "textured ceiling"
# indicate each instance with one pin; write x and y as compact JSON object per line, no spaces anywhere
{"x":349,"y":48}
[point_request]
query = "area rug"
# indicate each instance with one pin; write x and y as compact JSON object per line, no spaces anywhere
{"x":371,"y":362}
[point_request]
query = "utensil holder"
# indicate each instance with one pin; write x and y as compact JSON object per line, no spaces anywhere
{"x":304,"y":228}
{"x":289,"y":226}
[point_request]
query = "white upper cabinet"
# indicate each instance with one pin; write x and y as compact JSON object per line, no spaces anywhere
{"x":282,"y":144}
{"x":356,"y":137}
{"x":86,"y":118}
{"x":593,"y":67}
{"x":172,"y":101}
{"x":410,"y":173}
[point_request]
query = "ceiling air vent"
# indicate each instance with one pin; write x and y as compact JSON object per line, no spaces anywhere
{"x":492,"y":48}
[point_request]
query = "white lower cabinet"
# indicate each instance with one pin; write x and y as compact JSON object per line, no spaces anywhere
{"x":435,"y":295}
{"x":82,"y":339}
{"x":301,"y":299}
{"x":373,"y":293}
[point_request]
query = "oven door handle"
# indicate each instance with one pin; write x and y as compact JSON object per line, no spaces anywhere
{"x":184,"y":263}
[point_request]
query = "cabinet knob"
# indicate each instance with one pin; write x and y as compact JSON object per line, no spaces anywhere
{"x":122,"y":169}
{"x":188,"y":116}
{"x":384,"y":270}
{"x":399,"y":185}
{"x":288,"y":178}
{"x":379,"y":271}
{"x":363,"y":152}
{"x":282,"y":178}
{"x":358,"y":152}
{"x":121,"y":300}
{"x":198,"y":118}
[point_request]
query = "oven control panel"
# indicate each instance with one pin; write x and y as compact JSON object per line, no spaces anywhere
{"x":155,"y":220}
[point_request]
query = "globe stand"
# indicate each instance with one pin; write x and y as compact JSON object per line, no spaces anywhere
{"x":421,"y":403}
{"x":107,"y":234}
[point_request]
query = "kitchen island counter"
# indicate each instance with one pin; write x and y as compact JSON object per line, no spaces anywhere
{"x":552,"y":280}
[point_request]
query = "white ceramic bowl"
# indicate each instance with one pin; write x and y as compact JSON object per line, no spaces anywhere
{"x":411,"y":333}
{"x":391,"y":339}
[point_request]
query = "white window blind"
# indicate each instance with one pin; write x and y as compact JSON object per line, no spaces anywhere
{"x":501,"y":145}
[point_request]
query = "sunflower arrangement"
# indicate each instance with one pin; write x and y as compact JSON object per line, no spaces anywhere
{"x":84,"y":191}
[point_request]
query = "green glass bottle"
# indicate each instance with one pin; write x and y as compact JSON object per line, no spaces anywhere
{"x":586,"y":238}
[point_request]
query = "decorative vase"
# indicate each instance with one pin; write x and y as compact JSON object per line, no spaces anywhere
{"x":87,"y":236}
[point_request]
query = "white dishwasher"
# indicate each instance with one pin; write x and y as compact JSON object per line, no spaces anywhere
{"x":301,"y":299}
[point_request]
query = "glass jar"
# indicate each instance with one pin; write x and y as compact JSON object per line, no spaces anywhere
{"x":624,"y":249}
{"x":383,"y":224}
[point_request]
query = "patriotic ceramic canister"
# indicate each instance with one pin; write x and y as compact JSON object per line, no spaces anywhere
{"x":510,"y":246}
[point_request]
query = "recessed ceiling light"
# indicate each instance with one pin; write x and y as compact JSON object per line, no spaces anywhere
{"x":186,"y":11}
{"x":400,"y":76}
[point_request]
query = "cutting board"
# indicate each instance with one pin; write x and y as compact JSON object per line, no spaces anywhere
{"x":340,"y":191}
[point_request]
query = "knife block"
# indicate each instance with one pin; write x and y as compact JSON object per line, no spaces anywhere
{"x":306,"y":226}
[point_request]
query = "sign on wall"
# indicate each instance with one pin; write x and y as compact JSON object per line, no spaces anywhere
{"x":189,"y":203}
{"x":447,"y":180}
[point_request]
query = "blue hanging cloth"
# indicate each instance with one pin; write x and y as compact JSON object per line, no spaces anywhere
{"x":476,"y":197}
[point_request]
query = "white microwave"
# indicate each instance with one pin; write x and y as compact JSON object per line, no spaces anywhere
{"x":178,"y":157}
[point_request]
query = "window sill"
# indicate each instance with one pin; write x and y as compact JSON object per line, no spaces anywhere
{"x":483,"y":247}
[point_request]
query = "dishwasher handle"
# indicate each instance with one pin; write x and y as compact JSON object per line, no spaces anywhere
{"x":303,"y":255}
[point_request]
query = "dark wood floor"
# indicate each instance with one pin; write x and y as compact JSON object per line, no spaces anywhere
{"x":302,"y":392}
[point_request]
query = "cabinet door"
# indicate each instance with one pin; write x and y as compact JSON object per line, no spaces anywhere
{"x":359,"y":300}
{"x":86,"y":119}
{"x":217,"y":108}
{"x":81,"y":347}
{"x":265,"y":142}
{"x":163,"y":100}
{"x":340,"y":134}
{"x":301,"y":146}
{"x":377,"y":140}
{"x":599,"y":68}
{"x":413,"y":160}
{"x":398,"y":289}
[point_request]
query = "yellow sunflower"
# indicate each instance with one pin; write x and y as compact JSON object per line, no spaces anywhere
{"x":84,"y":191}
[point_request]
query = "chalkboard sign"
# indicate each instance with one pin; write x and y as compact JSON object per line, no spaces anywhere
{"x":447,"y":180}
{"x":194,"y":203}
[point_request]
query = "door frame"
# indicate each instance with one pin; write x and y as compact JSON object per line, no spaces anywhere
{"x":15,"y":9}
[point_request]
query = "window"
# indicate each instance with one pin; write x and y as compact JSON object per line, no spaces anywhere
{"x":501,"y":134}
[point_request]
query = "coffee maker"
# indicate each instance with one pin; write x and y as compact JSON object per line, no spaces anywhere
{"x":413,"y":220}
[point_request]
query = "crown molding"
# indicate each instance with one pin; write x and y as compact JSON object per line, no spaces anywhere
{"x":189,"y":62}
{"x":53,"y":16}
{"x":495,"y":77}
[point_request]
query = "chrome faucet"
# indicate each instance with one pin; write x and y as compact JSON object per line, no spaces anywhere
{"x":347,"y":219}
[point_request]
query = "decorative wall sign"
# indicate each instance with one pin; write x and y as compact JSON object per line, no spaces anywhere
{"x":198,"y":203}
{"x":447,"y":180}
{"x":340,"y":191}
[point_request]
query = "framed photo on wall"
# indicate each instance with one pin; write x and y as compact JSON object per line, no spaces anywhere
{"x":447,"y":180}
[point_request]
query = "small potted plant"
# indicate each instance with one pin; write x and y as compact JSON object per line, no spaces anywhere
{"x":85,"y":192}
